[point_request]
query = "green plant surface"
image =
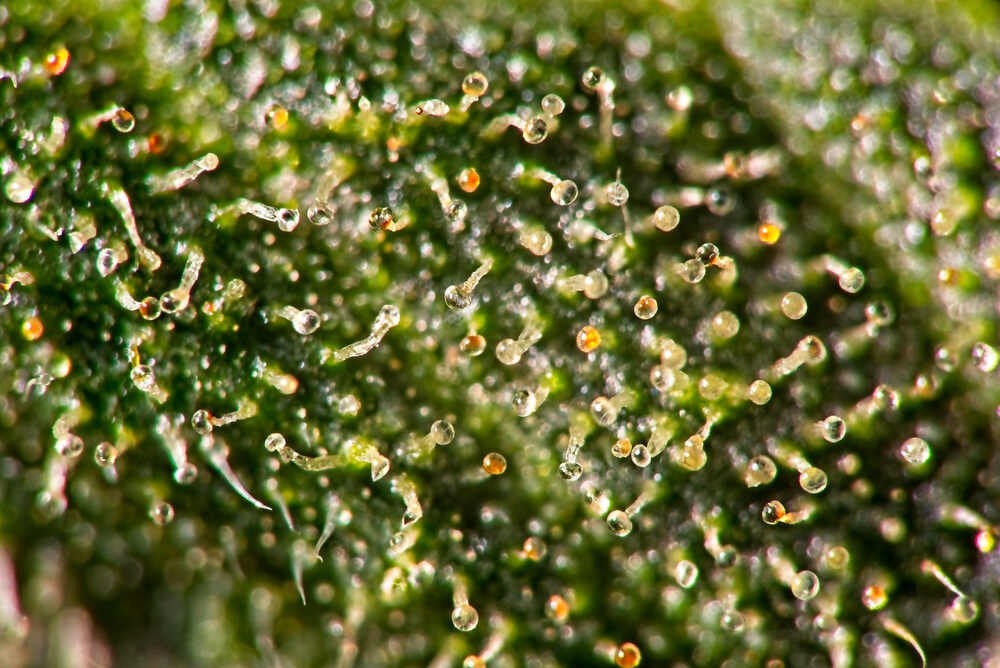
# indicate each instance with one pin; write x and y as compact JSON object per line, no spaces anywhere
{"x":200,"y":480}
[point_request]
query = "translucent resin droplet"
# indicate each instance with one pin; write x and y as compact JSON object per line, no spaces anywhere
{"x":666,"y":218}
{"x":564,"y":192}
{"x":760,"y":470}
{"x":813,"y":480}
{"x":442,"y":432}
{"x":306,"y":321}
{"x":805,"y":585}
{"x":915,"y":451}
{"x":833,"y":429}
{"x":619,"y":523}
{"x":123,"y":121}
{"x":645,"y":307}
{"x":162,"y":513}
{"x":465,"y":617}
{"x":772,"y":512}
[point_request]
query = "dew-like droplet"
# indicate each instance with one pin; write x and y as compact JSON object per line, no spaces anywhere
{"x":432,"y":107}
{"x":123,"y":120}
{"x":457,"y":299}
{"x":727,"y":556}
{"x":149,"y":308}
{"x":945,"y":358}
{"x":276,"y":116}
{"x":475,"y":84}
{"x":645,"y":307}
{"x":587,"y":339}
{"x":621,"y":448}
{"x":564,"y":192}
{"x":32,"y":328}
{"x":288,"y":219}
{"x":641,"y":456}
{"x":468,"y":179}
{"x":604,"y":411}
{"x":719,"y":201}
{"x":556,"y":608}
{"x":874,"y":597}
{"x":388,"y":316}
{"x":380,"y":218}
{"x":707,"y":254}
{"x":662,"y":378}
{"x":595,"y":284}
{"x":143,"y":377}
{"x":879,"y":312}
{"x":201,"y":422}
{"x":162,"y":513}
{"x":691,"y":271}
{"x":494,"y":463}
{"x":768,"y":233}
{"x":851,"y":280}
{"x":185,"y":474}
{"x":711,"y":387}
{"x":732,"y":620}
{"x":306,"y":321}
{"x":552,"y":105}
{"x":805,"y":585}
{"x":813,"y":348}
{"x":772,"y":512}
{"x":813,"y":480}
{"x":442,"y":432}
{"x":69,"y":446}
{"x":680,"y":98}
{"x":985,"y":541}
{"x":760,"y":470}
{"x":616,"y":193}
{"x":836,"y":557}
{"x":536,"y":240}
{"x":534,"y":548}
{"x":107,"y":261}
{"x":570,"y":470}
{"x":456,"y":211}
{"x":174,"y":300}
{"x":964,"y":609}
{"x":464,"y":617}
{"x":689,"y":458}
{"x":349,"y":405}
{"x":157,"y":144}
{"x":592,"y":78}
{"x":984,"y":356}
{"x":273,"y":442}
{"x":627,"y":655}
{"x":472,"y":345}
{"x":379,"y":468}
{"x":685,"y":572}
{"x":759,"y":392}
{"x":666,"y":218}
{"x":619,"y":523}
{"x":508,"y":352}
{"x":725,"y":325}
{"x":833,"y":429}
{"x":321,"y":214}
{"x":523,"y":402}
{"x":105,"y":454}
{"x":536,"y":129}
{"x":56,"y":62}
{"x":19,"y":188}
{"x":915,"y":451}
{"x":673,"y":355}
{"x":794,"y":305}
